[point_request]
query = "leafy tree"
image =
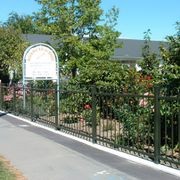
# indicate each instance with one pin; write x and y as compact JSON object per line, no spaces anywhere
{"x":108,"y":74}
{"x":171,"y":55}
{"x":12,"y":49}
{"x":80,"y":32}
{"x":149,"y":62}
{"x":170,"y":71}
{"x":23,"y":22}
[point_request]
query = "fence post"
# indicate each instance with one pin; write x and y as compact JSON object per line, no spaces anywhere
{"x":157,"y":124}
{"x":14,"y":98}
{"x":94,"y":123}
{"x":32,"y":108}
{"x":178,"y":123}
{"x":56,"y":106}
{"x":1,"y":95}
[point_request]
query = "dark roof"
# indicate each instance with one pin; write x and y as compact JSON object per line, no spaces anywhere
{"x":38,"y":38}
{"x":131,"y":49}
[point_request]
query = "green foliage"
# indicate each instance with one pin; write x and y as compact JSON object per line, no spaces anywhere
{"x":149,"y":64}
{"x":167,"y":76}
{"x":169,"y":108}
{"x":45,"y":103}
{"x":76,"y":103}
{"x":44,"y":84}
{"x":170,"y":70}
{"x":12,"y":49}
{"x":24,"y":23}
{"x":71,"y":103}
{"x":73,"y":98}
{"x":136,"y":121}
{"x":101,"y":73}
{"x":70,"y":119}
{"x":171,"y":54}
{"x":169,"y":115}
{"x":79,"y":30}
{"x":87,"y":114}
{"x":108,"y":74}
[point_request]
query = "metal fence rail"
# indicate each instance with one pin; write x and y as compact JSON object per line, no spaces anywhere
{"x":143,"y":124}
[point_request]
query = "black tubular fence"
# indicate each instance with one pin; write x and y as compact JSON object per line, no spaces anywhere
{"x":146,"y":124}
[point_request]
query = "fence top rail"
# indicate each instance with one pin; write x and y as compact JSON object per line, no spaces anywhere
{"x":98,"y":91}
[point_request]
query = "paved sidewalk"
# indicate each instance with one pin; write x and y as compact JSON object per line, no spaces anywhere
{"x":43,"y":155}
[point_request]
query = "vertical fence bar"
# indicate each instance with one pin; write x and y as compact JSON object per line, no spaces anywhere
{"x":56,"y":106}
{"x":178,"y":124}
{"x":24,"y":95}
{"x":94,"y":123}
{"x":14,"y":98}
{"x":32,"y":103}
{"x":157,"y":124}
{"x":1,"y":95}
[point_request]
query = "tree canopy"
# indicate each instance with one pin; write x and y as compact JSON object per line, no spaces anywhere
{"x":77,"y":25}
{"x":170,"y":71}
{"x":85,"y":39}
{"x":23,"y":23}
{"x":149,"y":63}
{"x":12,"y":49}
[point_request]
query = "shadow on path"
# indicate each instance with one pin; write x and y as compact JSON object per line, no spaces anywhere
{"x":2,"y":114}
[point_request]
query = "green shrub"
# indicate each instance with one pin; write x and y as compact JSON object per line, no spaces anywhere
{"x":136,"y":124}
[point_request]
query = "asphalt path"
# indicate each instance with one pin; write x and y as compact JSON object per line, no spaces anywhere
{"x":43,"y":155}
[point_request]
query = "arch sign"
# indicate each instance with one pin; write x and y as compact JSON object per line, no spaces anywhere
{"x":40,"y":62}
